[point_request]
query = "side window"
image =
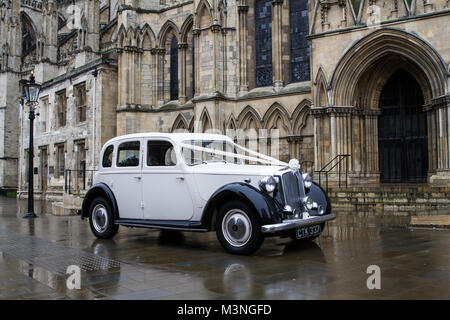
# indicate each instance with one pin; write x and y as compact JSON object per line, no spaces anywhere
{"x":107,"y":157}
{"x":128,"y":154}
{"x":160,"y":153}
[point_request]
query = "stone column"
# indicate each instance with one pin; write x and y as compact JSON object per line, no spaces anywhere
{"x":439,"y":140}
{"x":131,"y":70}
{"x":325,"y":6}
{"x":120,"y":76}
{"x":343,"y":6}
{"x":182,"y":48}
{"x":154,"y":53}
{"x":137,"y":66}
{"x":161,"y":54}
{"x":216,"y":28}
{"x":317,"y":139}
{"x":196,"y":34}
{"x":224,"y":61}
{"x":243,"y":35}
{"x":277,"y":43}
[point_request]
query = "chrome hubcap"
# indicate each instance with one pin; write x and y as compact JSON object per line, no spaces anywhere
{"x":236,"y":227}
{"x":100,"y":218}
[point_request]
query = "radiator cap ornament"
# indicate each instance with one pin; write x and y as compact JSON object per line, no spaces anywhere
{"x":294,"y":165}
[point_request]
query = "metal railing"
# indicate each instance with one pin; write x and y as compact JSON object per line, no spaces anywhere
{"x":76,"y":181}
{"x":331,"y":165}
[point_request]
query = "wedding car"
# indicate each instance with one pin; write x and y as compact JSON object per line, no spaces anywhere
{"x":203,"y":182}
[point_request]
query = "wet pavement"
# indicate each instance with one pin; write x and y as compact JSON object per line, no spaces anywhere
{"x":149,"y":264}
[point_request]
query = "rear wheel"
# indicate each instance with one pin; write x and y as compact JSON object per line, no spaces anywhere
{"x":101,"y":219}
{"x":238,"y":229}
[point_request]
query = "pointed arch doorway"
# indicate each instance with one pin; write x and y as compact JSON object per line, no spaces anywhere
{"x":402,"y":131}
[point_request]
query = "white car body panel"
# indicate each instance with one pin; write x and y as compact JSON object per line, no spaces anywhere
{"x":126,"y":184}
{"x":151,"y":196}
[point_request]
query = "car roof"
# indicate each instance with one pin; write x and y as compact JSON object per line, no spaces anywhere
{"x":176,"y":136}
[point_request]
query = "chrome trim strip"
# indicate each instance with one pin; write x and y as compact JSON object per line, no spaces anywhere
{"x":296,"y":223}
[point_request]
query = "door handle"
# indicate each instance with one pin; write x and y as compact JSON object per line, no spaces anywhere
{"x":138,"y":177}
{"x":180,"y":178}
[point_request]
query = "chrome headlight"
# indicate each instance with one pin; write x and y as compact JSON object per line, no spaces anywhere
{"x":268,"y":184}
{"x":321,"y":209}
{"x":307,"y":180}
{"x":308,"y":203}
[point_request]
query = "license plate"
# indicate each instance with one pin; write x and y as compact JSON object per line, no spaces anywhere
{"x":307,"y":232}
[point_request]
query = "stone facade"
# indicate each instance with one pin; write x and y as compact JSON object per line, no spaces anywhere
{"x":315,"y":71}
{"x":369,"y":44}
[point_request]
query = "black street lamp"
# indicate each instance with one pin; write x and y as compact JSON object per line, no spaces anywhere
{"x":31,"y":91}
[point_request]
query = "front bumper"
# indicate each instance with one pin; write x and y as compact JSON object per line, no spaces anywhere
{"x":296,"y":223}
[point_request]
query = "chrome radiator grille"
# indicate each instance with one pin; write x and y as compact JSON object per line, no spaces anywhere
{"x":291,"y":189}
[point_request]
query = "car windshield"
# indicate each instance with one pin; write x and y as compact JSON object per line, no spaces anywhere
{"x":209,"y":151}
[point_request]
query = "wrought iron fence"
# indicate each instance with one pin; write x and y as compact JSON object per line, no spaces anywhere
{"x":332,"y":164}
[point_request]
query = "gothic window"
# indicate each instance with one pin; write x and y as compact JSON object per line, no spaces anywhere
{"x":81,"y":162}
{"x":299,"y":45}
{"x":60,"y":161}
{"x":61,"y":108}
{"x":263,"y":42}
{"x":43,"y":118}
{"x":61,"y":23}
{"x":174,"y":69}
{"x":28,"y":40}
{"x":80,"y":100}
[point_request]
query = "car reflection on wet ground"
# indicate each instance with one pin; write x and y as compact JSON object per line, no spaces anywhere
{"x":149,"y":264}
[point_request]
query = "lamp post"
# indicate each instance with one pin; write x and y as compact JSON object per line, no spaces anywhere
{"x":31,"y":91}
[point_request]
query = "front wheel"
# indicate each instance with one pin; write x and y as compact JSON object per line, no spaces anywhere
{"x":101,"y":219}
{"x":238,"y":229}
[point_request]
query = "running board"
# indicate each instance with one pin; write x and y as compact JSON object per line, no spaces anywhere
{"x":163,"y":224}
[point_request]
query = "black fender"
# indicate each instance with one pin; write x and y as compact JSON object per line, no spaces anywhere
{"x":263,"y":205}
{"x":99,"y":190}
{"x":318,"y":195}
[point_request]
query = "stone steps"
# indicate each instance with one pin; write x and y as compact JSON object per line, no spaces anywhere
{"x":442,"y":221}
{"x":404,"y":200}
{"x":59,"y":209}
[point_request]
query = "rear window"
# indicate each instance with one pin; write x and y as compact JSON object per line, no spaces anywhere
{"x":128,"y":154}
{"x":107,"y":157}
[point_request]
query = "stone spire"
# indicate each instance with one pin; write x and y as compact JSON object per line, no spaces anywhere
{"x":10,"y":35}
{"x":92,"y":16}
{"x":50,"y":30}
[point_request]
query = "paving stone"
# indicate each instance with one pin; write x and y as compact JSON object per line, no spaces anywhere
{"x":414,"y":263}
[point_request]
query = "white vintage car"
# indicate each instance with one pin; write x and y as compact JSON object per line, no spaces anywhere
{"x":203,"y":182}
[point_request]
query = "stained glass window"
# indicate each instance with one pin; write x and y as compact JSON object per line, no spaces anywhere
{"x":299,"y":45}
{"x":263,"y":42}
{"x":28,"y":41}
{"x":174,"y":69}
{"x":356,"y":4}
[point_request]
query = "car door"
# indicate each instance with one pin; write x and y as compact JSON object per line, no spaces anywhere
{"x":126,"y":178}
{"x":166,"y":194}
